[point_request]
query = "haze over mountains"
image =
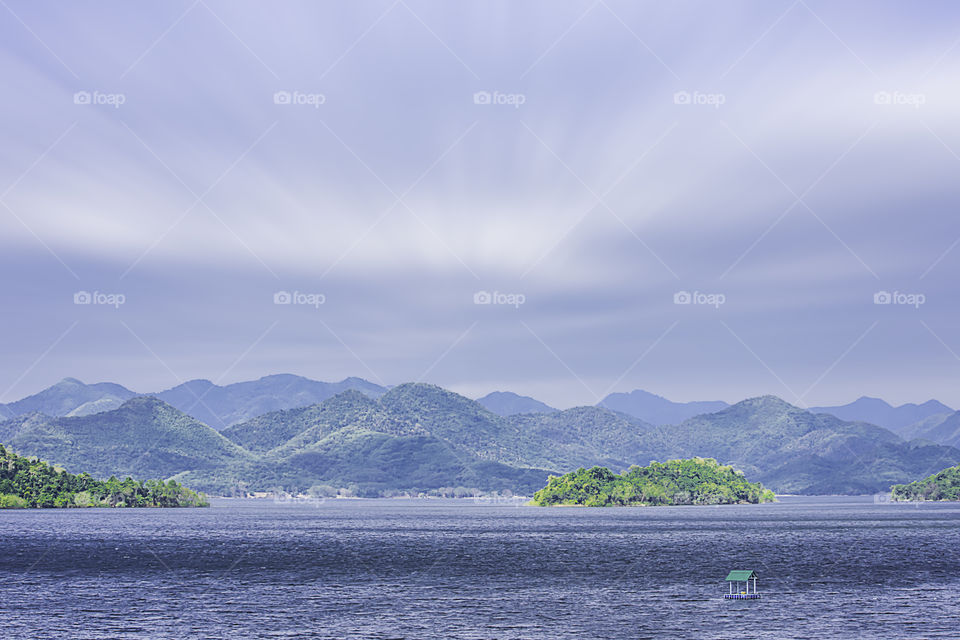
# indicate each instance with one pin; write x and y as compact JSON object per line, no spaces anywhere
{"x":217,"y":406}
{"x":418,"y":437}
{"x":879,"y":412}
{"x":507,"y":403}
{"x":657,"y":409}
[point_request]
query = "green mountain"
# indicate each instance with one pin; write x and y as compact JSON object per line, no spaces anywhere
{"x":580,"y":437}
{"x":675,"y":482}
{"x":295,"y":427}
{"x":416,"y":437}
{"x":795,"y":451}
{"x":944,"y":485}
{"x":144,"y":437}
{"x":419,"y":437}
{"x":30,"y":483}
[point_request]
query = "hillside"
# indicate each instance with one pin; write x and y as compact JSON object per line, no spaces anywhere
{"x":582,"y":436}
{"x":144,"y":437}
{"x":657,"y":410}
{"x":795,"y":451}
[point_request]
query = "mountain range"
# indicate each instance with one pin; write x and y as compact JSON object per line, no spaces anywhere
{"x":879,"y":412}
{"x":418,"y":437}
{"x":217,"y":406}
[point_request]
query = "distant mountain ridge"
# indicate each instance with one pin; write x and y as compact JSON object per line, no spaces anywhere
{"x":65,"y":396}
{"x":939,"y":428}
{"x":507,"y":403}
{"x":223,"y":406}
{"x":214,"y":405}
{"x":881,"y":413}
{"x":656,"y":409}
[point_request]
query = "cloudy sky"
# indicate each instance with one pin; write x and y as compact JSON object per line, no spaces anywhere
{"x":484,"y":195}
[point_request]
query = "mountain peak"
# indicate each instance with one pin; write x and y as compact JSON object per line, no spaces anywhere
{"x":658,"y":410}
{"x":507,"y":403}
{"x":768,"y":402}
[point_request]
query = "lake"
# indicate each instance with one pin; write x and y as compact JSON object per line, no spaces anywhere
{"x":828,"y":567}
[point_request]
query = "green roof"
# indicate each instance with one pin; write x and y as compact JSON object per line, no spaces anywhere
{"x":741,"y":575}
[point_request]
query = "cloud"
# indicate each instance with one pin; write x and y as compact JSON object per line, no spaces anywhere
{"x":597,"y":196}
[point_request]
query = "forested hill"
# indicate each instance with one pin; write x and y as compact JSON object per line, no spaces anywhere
{"x":944,"y":485}
{"x":675,"y":482}
{"x":26,"y":482}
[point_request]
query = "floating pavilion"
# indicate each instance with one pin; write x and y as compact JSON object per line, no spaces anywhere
{"x":737,"y":576}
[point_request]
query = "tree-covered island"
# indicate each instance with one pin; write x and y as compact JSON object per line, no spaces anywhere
{"x":29,"y":483}
{"x":944,"y":485}
{"x":697,"y":481}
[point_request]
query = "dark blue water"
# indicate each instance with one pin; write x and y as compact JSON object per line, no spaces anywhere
{"x":829,"y":568}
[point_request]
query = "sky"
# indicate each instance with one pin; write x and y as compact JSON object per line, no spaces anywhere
{"x":706,"y":200}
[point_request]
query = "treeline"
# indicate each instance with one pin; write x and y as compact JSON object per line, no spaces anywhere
{"x":31,"y":483}
{"x":675,"y":482}
{"x":944,"y":485}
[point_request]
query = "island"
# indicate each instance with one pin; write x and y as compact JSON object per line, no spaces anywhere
{"x":695,"y":481}
{"x":30,"y":483}
{"x":944,"y":485}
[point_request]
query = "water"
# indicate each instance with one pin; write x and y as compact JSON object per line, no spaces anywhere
{"x":829,"y":568}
